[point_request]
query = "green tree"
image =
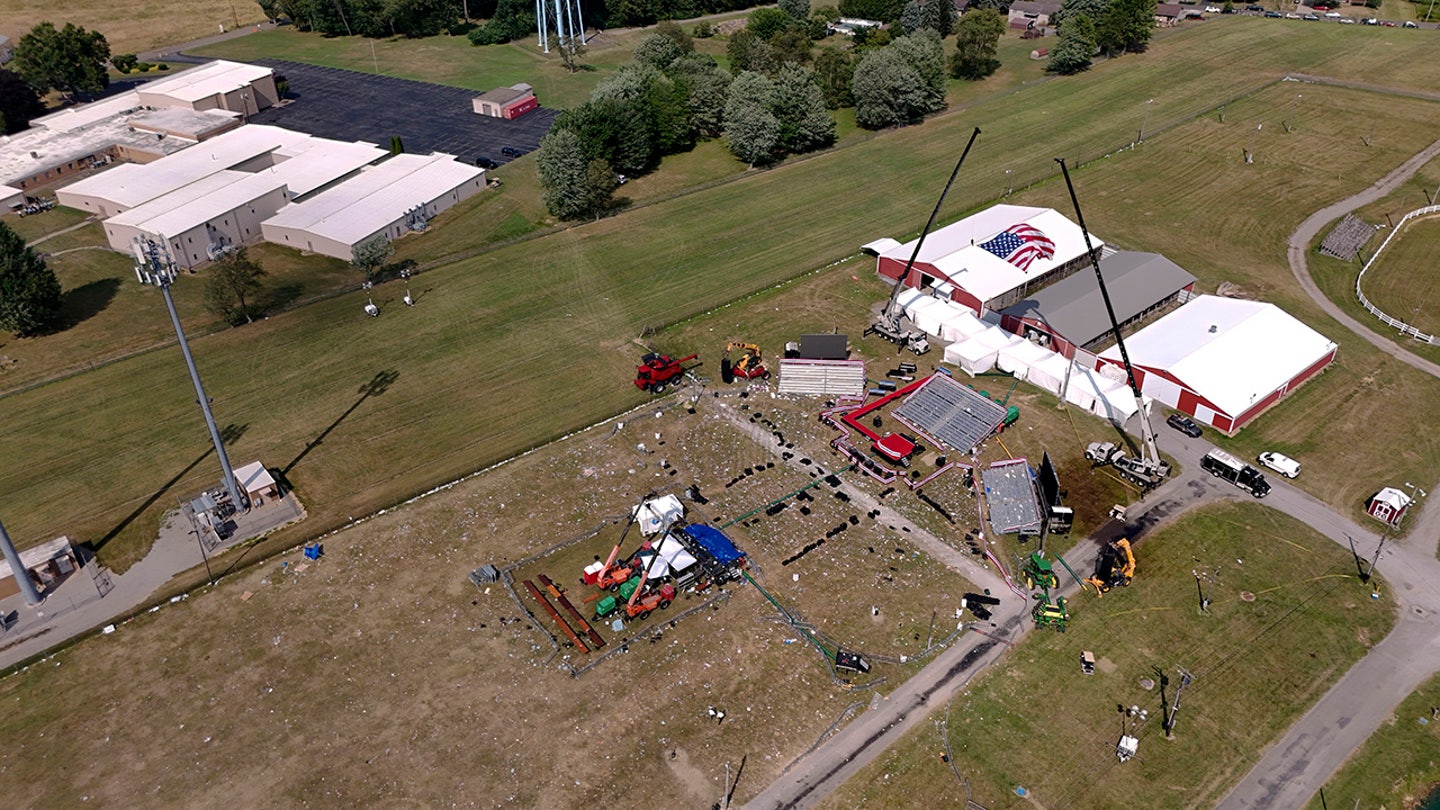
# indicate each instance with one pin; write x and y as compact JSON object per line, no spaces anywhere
{"x":751,"y":129}
{"x":1094,"y":9}
{"x":1138,"y":24}
{"x":70,"y":59}
{"x":765,"y":22}
{"x":18,"y":103}
{"x":372,"y":254}
{"x":657,"y":50}
{"x":231,"y":284}
{"x":887,"y":11}
{"x":834,"y":71}
{"x":976,"y":44}
{"x":672,"y":29}
{"x":1076,"y":48}
{"x":941,"y":16}
{"x":799,"y":108}
{"x":707,"y":87}
{"x":791,"y":46}
{"x":926,"y":56}
{"x":576,"y":185}
{"x":397,"y":147}
{"x":30,"y":297}
{"x":887,"y":90}
{"x":746,"y":51}
{"x":798,"y":10}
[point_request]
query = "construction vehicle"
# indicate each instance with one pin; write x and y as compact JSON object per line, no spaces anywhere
{"x":888,"y":324}
{"x":747,"y":366}
{"x":1147,"y":470}
{"x":1115,"y":567}
{"x":639,"y":602}
{"x":608,"y":576}
{"x":1223,"y":465}
{"x":656,"y":371}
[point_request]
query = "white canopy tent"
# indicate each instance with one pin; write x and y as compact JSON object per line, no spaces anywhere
{"x":1017,"y":358}
{"x":672,"y":559}
{"x":656,"y":515}
{"x":960,"y":324}
{"x":977,"y":354}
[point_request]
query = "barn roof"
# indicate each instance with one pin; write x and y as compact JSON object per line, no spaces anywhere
{"x":1074,"y":308}
{"x":1232,"y":352}
{"x":955,"y":250}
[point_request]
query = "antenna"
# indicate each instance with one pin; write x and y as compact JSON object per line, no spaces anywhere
{"x":1185,"y":679}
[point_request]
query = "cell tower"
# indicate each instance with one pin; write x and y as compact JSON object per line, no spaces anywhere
{"x":560,"y":19}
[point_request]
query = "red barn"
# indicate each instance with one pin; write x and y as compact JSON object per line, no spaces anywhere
{"x":957,"y":265}
{"x":1223,"y":361}
{"x":507,"y":102}
{"x":1388,"y":506}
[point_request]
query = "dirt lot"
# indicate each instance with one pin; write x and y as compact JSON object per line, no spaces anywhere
{"x":389,"y":677}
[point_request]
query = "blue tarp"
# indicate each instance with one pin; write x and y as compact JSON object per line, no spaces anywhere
{"x":717,"y":544}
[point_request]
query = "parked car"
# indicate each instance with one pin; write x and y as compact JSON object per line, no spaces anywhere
{"x":1282,"y":464}
{"x":512,"y":152}
{"x":1254,"y":7}
{"x":486,"y":163}
{"x":1333,"y":15}
{"x":1310,"y":17}
{"x":1292,"y":16}
{"x":1388,"y":23}
{"x":1274,"y":15}
{"x":1410,"y":24}
{"x":1184,"y":424}
{"x":1370,"y":21}
{"x":1212,"y":9}
{"x":1321,"y":8}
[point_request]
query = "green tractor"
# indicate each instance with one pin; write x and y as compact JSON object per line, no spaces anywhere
{"x":1039,"y":573}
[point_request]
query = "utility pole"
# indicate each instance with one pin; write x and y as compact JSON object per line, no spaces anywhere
{"x":1371,"y":570}
{"x":1185,"y":679}
{"x":22,"y":576}
{"x":1204,"y":603}
{"x":154,"y":267}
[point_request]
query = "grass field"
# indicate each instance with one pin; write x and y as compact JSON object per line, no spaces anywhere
{"x":485,"y":337}
{"x":1036,"y":722}
{"x":1404,"y":283}
{"x":1398,"y":766}
{"x":135,"y":27}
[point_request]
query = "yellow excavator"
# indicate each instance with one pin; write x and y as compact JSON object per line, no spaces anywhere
{"x":1116,"y":567}
{"x":747,"y":366}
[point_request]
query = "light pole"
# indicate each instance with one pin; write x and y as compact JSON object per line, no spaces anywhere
{"x":22,"y":576}
{"x":154,"y":266}
{"x":1145,"y":123}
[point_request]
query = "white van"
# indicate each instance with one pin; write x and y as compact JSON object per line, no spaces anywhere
{"x":1284,"y":465}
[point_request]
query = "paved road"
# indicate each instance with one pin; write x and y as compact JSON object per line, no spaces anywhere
{"x":1318,"y":744}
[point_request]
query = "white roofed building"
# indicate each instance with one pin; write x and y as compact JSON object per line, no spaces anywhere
{"x":992,"y":259}
{"x":385,"y":201}
{"x":1223,"y":361}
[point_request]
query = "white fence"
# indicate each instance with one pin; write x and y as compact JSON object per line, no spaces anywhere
{"x":1395,"y":323}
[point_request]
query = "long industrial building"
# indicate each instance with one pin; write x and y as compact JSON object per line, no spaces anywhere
{"x":1224,"y":361}
{"x":384,"y":201}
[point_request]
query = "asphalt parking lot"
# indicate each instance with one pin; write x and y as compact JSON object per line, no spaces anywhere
{"x":347,"y":105}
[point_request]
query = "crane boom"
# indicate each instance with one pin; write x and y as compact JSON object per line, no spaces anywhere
{"x":888,"y":325}
{"x":1151,"y":459}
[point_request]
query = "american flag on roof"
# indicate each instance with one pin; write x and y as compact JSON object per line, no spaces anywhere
{"x":1020,"y":245}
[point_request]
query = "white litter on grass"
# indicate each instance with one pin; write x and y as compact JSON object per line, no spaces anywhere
{"x":107,"y":629}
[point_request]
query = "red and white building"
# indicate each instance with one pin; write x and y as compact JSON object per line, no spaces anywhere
{"x":1223,"y":361}
{"x":1388,"y":506}
{"x":508,"y":103}
{"x":955,"y":265}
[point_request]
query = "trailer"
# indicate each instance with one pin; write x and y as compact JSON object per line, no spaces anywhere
{"x":1223,"y":465}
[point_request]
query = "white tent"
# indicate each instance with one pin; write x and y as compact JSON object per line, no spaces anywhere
{"x":1049,"y":373}
{"x":907,"y":297}
{"x":1116,"y":403}
{"x":927,"y":313}
{"x":672,"y":559}
{"x":1082,"y":388}
{"x":656,"y":515}
{"x":1016,"y":358}
{"x":977,"y":355}
{"x":960,"y":324}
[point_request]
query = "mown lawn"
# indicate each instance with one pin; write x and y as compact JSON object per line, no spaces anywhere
{"x":1036,"y":722}
{"x":531,"y":340}
{"x":1398,"y":766}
